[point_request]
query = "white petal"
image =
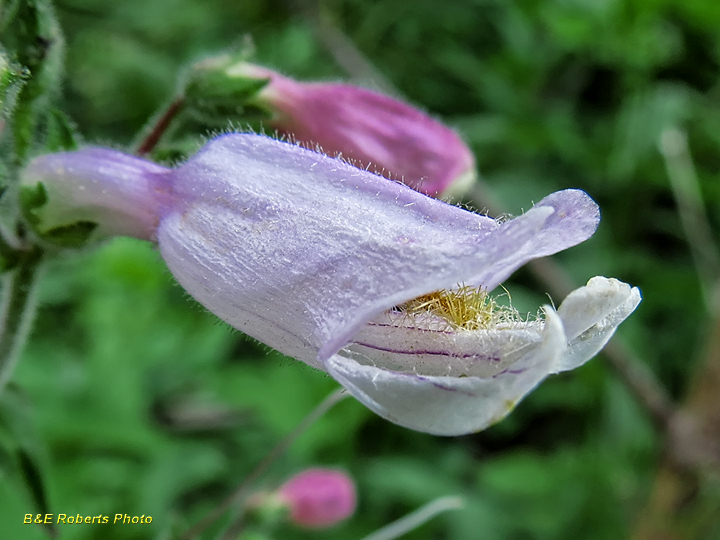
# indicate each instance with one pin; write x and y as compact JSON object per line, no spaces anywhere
{"x":423,"y":345}
{"x":590,"y":316}
{"x":450,"y":405}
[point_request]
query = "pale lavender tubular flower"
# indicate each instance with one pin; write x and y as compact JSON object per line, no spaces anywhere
{"x":370,"y":129}
{"x":319,"y":498}
{"x":312,"y":257}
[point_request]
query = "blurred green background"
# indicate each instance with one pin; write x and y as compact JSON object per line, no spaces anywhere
{"x":138,"y":401}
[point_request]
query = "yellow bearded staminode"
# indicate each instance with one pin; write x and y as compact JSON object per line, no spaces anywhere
{"x":465,"y":307}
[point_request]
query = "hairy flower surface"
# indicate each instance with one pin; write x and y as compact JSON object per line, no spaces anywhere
{"x":341,"y":269}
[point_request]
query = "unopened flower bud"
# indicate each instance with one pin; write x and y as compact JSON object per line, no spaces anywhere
{"x":319,"y":498}
{"x":211,"y":91}
{"x":367,"y":128}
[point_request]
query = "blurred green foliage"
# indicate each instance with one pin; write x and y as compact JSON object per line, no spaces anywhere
{"x":139,"y":402}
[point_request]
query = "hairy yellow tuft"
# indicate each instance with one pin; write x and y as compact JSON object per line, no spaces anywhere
{"x":468,"y":308}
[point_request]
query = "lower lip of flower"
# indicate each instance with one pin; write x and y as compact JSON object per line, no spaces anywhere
{"x":461,"y":332}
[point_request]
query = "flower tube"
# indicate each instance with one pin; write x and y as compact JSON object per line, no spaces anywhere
{"x":332,"y":265}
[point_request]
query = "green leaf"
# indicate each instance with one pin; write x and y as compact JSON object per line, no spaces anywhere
{"x":74,"y":235}
{"x":20,"y":453}
{"x":71,"y":236}
{"x":33,"y":198}
{"x":32,"y":38}
{"x":62,"y":134}
{"x":35,"y":483}
{"x":214,"y":92}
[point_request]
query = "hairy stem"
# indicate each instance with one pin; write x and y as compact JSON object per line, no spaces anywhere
{"x":160,"y":127}
{"x":17,"y":308}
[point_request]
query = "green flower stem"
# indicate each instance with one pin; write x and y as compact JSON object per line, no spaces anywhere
{"x":691,"y":209}
{"x":237,"y":498}
{"x":415,"y":519}
{"x":18,"y":299}
{"x":8,"y":253}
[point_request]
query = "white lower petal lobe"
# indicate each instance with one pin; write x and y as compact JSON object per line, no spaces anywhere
{"x":444,"y":405}
{"x":590,"y":316}
{"x":422,"y":344}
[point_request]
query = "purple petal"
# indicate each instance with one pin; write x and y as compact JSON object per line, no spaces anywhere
{"x":574,"y":220}
{"x":299,"y":250}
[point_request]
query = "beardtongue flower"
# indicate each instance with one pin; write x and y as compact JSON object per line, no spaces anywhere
{"x":367,"y":128}
{"x":340,"y":268}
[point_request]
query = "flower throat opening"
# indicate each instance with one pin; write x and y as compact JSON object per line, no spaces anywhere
{"x":463,"y":308}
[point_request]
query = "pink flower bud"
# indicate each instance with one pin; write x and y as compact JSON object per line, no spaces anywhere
{"x":319,"y":498}
{"x":369,"y":129}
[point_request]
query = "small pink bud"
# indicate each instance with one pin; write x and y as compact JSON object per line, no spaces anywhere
{"x":319,"y":498}
{"x":369,"y":129}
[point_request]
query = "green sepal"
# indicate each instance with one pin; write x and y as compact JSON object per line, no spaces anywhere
{"x":273,"y":512}
{"x":217,"y":89}
{"x":266,"y":512}
{"x":62,"y":135}
{"x":213,"y":94}
{"x":21,"y":452}
{"x":33,"y":199}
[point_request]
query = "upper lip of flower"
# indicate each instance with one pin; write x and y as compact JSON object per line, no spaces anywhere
{"x":419,"y":341}
{"x":326,"y":246}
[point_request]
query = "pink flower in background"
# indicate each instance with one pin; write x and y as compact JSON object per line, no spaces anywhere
{"x":319,"y":498}
{"x":369,"y":129}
